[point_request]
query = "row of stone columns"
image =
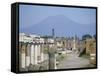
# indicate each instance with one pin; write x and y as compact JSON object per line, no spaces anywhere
{"x":29,"y":54}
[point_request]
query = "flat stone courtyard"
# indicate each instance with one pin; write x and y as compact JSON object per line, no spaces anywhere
{"x":72,"y":60}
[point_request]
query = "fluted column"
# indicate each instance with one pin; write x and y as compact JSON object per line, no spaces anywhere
{"x":36,"y":49}
{"x":22,"y":56}
{"x":39,"y":53}
{"x":42,"y":55}
{"x":28,"y":55}
{"x":32,"y":54}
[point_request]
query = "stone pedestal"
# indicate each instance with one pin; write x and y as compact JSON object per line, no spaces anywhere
{"x":51,"y":61}
{"x":52,"y":58}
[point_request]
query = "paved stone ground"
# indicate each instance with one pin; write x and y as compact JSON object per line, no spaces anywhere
{"x":73,"y":61}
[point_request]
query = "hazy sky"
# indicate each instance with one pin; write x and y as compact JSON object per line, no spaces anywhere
{"x":31,"y":15}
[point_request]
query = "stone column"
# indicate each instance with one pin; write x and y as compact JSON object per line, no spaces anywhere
{"x":74,"y":47}
{"x":42,"y":55}
{"x":36,"y":54}
{"x":23,"y":56}
{"x":52,"y":58}
{"x":20,"y":53}
{"x":39,"y":53}
{"x":28,"y":55}
{"x":32,"y":54}
{"x":51,"y":61}
{"x":55,"y":62}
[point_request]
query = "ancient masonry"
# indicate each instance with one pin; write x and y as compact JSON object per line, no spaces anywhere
{"x":31,"y":53}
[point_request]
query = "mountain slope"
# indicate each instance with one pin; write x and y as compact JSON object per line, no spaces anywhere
{"x":63,"y":26}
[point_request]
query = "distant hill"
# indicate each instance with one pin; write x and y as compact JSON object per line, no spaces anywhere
{"x":63,"y":26}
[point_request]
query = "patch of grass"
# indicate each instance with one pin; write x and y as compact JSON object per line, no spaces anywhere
{"x":85,"y":56}
{"x":60,"y":57}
